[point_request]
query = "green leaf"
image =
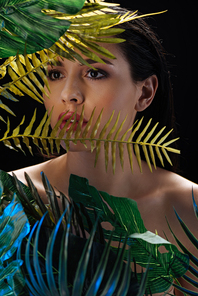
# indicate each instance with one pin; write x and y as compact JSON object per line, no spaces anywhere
{"x":23,"y":22}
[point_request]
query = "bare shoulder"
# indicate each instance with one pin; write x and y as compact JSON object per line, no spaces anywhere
{"x":177,"y":195}
{"x":32,"y":171}
{"x":178,"y":189}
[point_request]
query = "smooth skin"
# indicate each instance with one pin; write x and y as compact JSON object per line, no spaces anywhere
{"x":112,"y":88}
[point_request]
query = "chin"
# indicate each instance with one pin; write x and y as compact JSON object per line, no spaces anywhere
{"x":78,"y":147}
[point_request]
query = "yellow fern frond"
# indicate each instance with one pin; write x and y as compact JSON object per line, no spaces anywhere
{"x":48,"y":141}
{"x":22,"y":69}
{"x":88,"y":26}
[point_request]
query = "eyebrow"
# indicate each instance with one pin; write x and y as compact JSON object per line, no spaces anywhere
{"x":89,"y":61}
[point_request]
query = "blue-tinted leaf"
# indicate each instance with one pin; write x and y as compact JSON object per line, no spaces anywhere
{"x":8,"y":272}
{"x":16,"y":282}
{"x":14,"y":226}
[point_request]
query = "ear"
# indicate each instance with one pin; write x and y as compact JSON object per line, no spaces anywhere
{"x":148,"y":90}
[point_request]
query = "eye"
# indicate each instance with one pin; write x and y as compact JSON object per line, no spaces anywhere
{"x":96,"y":74}
{"x":54,"y":75}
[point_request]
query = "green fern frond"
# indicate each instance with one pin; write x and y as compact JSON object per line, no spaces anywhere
{"x":147,"y":140}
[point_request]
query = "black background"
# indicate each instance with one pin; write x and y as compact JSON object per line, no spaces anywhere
{"x":178,"y":31}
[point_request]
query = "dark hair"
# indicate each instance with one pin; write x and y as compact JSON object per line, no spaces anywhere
{"x":145,"y":54}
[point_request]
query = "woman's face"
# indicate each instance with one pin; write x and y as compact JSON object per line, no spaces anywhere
{"x":110,"y":87}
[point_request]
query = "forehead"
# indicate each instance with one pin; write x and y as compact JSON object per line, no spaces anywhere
{"x":112,"y":48}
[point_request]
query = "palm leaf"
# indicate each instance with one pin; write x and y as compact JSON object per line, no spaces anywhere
{"x":41,"y":134}
{"x":40,"y":285}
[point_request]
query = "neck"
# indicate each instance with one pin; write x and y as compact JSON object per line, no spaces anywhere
{"x":82,"y":164}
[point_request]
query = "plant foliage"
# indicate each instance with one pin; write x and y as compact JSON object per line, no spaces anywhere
{"x":122,"y":213}
{"x":193,"y":240}
{"x":148,"y":140}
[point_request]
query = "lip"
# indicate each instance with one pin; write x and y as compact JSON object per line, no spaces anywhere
{"x":67,"y":117}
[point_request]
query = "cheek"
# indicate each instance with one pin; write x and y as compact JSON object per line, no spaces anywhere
{"x":120,"y":98}
{"x":49,"y":104}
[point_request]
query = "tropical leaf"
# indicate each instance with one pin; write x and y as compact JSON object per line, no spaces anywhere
{"x":124,"y":215}
{"x":193,"y":240}
{"x":146,"y":140}
{"x":21,"y":24}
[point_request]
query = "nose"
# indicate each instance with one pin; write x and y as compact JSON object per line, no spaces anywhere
{"x":72,"y":92}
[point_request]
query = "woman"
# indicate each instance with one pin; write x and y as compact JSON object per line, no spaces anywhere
{"x":135,"y":83}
